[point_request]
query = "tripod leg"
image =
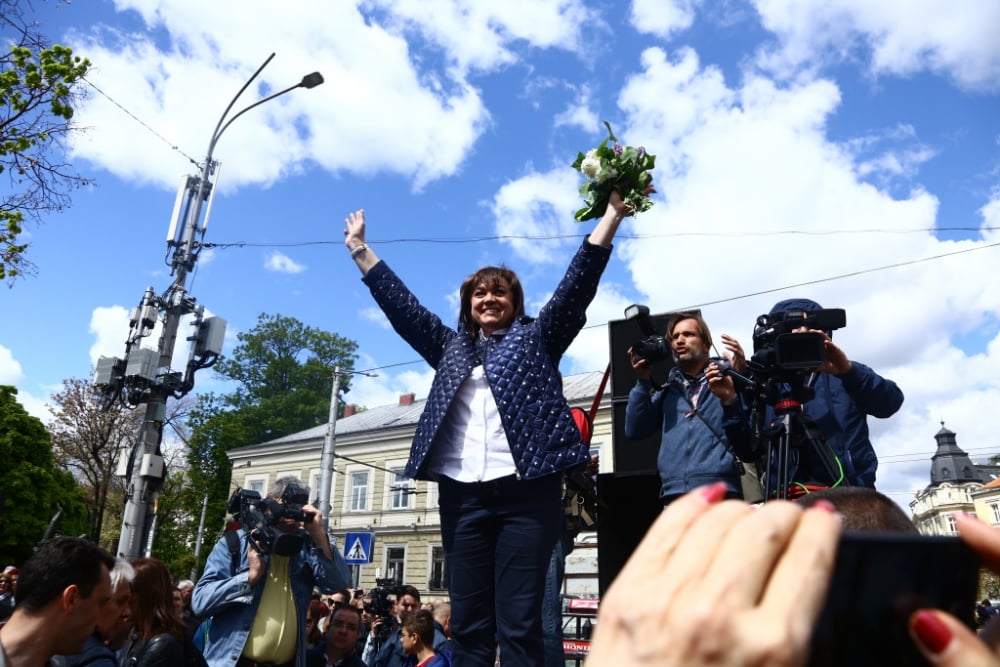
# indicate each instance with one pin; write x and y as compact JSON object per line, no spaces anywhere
{"x":778,"y":446}
{"x":819,"y":453}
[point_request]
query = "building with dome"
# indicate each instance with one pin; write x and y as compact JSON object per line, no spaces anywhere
{"x":957,"y":485}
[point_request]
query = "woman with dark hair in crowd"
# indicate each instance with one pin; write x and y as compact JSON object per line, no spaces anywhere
{"x":158,"y":639}
{"x":318,"y":610}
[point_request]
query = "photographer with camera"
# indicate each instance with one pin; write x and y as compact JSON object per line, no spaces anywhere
{"x":704,"y":427}
{"x":846,"y":392}
{"x":258,"y":583}
{"x":385,"y":642}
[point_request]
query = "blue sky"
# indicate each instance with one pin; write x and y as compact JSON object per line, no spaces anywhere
{"x":797,"y":141}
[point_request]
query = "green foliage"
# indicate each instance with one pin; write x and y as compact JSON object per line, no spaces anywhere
{"x":39,"y":87}
{"x":283,"y":372}
{"x":33,"y":487}
{"x":177,"y":513}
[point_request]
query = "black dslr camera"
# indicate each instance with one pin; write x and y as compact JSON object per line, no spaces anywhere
{"x":653,"y":346}
{"x":776,"y":349}
{"x":260,"y":517}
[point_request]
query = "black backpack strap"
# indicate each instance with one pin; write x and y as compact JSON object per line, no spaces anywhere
{"x":233,"y":542}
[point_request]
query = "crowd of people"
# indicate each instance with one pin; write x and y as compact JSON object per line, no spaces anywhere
{"x":499,"y":438}
{"x":75,"y":606}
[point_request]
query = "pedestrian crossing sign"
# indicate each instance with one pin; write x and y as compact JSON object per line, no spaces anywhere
{"x":358,"y":548}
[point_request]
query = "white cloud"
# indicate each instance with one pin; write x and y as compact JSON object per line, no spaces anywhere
{"x":374,"y":315}
{"x":579,"y":113}
{"x":109,"y":326}
{"x":663,"y":17}
{"x":535,"y":205}
{"x":12,"y":373}
{"x":899,"y":37}
{"x":386,"y":388}
{"x":352,"y":122}
{"x":361,"y":131}
{"x":10,"y":369}
{"x":482,"y":35}
{"x":35,"y":406}
{"x":279,"y":262}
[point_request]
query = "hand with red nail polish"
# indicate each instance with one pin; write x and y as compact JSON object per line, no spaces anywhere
{"x":942,"y":638}
{"x":947,"y":642}
{"x":663,"y":608}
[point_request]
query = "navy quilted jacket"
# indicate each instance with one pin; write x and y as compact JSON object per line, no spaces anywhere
{"x":522,"y":367}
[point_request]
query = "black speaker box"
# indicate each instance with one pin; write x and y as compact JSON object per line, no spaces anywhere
{"x":632,"y":457}
{"x":628,"y":505}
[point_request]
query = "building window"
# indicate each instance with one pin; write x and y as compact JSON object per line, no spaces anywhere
{"x":437,"y":580}
{"x":359,"y":491}
{"x":996,"y":512}
{"x":402,"y":490}
{"x":949,"y":521}
{"x":315,"y":477}
{"x":395,"y":560}
{"x":258,"y":484}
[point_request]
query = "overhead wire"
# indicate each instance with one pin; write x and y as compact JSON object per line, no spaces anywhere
{"x":131,"y":115}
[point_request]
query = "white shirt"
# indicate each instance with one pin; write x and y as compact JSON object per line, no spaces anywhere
{"x":472,"y":445}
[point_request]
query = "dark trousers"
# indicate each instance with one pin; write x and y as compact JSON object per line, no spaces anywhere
{"x":498,"y":537}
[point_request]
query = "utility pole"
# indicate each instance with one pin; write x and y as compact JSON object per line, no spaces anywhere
{"x":144,"y":375}
{"x":330,"y":447}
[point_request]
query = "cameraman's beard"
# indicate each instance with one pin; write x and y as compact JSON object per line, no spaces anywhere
{"x":691,"y":362}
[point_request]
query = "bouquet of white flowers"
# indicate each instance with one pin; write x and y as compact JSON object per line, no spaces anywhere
{"x":614,"y":167}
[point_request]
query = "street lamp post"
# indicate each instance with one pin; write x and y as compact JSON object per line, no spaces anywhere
{"x":330,"y":447}
{"x":145,"y":376}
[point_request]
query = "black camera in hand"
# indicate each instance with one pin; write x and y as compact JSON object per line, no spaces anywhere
{"x":260,"y":517}
{"x":653,"y":346}
{"x":380,"y":606}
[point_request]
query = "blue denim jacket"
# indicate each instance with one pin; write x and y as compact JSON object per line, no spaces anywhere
{"x":231,"y":602}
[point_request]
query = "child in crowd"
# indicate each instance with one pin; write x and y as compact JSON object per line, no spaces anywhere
{"x":418,"y":639}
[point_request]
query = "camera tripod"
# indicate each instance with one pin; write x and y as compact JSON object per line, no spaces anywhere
{"x":796,"y":449}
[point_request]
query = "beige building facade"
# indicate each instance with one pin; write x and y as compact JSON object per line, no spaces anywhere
{"x":957,"y":485}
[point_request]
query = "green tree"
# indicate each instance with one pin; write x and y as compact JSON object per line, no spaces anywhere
{"x":89,"y":443}
{"x":32,"y":487}
{"x":283,"y":372}
{"x":39,"y":87}
{"x":178,"y":510}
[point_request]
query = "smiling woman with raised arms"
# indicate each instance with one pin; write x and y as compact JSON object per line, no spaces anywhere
{"x":495,"y":434}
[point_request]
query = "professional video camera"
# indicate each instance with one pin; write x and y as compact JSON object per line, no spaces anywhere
{"x":653,"y":346}
{"x":381,"y":607}
{"x":260,"y":517}
{"x":782,"y":364}
{"x":777,"y":350}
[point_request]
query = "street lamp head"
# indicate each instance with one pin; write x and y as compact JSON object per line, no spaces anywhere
{"x":311,"y":80}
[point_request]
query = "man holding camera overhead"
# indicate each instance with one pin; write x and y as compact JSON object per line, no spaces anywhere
{"x":846,"y":392}
{"x":258,"y":582}
{"x":698,"y":412}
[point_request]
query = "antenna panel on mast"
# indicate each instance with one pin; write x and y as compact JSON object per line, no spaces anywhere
{"x":175,"y":216}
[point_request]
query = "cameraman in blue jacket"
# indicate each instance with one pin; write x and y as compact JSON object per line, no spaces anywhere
{"x":846,"y":393}
{"x":257,"y":599}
